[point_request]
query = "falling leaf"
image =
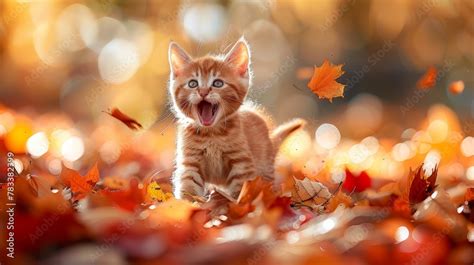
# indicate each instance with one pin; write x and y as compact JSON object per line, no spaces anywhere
{"x":358,"y":183}
{"x":456,"y":87}
{"x":80,"y":185}
{"x":415,"y":188}
{"x":155,"y":193}
{"x":428,"y":80}
{"x":129,"y":122}
{"x":323,"y":82}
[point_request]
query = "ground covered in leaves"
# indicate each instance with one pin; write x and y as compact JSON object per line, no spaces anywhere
{"x":123,"y":212}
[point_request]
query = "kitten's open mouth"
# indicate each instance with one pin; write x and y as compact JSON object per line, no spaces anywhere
{"x":207,"y":112}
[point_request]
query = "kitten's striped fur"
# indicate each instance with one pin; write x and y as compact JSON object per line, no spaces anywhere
{"x":220,"y":141}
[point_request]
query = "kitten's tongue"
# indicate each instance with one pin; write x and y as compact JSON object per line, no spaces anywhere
{"x":205,"y":111}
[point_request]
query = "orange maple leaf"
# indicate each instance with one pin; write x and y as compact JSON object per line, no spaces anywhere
{"x":428,"y":80}
{"x":323,"y":82}
{"x":129,"y":122}
{"x":80,"y":185}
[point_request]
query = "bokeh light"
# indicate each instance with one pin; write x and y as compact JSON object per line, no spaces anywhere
{"x":38,"y":144}
{"x":328,"y":136}
{"x":438,"y":131}
{"x":16,"y":138}
{"x":432,"y":160}
{"x":467,"y":146}
{"x":365,"y":113}
{"x":205,"y":22}
{"x":358,"y":153}
{"x":402,"y":234}
{"x":470,"y":173}
{"x":118,"y":61}
{"x":72,"y":149}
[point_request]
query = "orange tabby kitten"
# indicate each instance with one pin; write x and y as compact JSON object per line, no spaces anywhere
{"x":220,"y":141}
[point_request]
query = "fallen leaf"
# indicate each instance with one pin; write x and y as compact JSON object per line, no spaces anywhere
{"x":415,"y":188}
{"x":253,"y":188}
{"x":155,"y":193}
{"x":456,"y":87}
{"x":358,"y":183}
{"x":323,"y":82}
{"x":129,"y":122}
{"x":115,"y":183}
{"x":338,"y":199}
{"x":80,"y":185}
{"x":128,"y":199}
{"x":257,"y":189}
{"x":310,"y":193}
{"x":428,"y":80}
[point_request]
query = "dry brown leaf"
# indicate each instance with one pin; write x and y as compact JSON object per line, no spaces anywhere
{"x":309,"y":192}
{"x":323,"y":82}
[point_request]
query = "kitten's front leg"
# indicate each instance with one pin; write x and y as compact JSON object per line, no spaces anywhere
{"x":188,"y":181}
{"x":242,"y":169}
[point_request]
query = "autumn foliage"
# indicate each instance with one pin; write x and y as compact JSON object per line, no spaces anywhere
{"x":323,"y":82}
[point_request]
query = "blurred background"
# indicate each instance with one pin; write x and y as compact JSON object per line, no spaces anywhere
{"x":66,"y":62}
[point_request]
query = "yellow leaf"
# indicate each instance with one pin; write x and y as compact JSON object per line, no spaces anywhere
{"x":155,"y":193}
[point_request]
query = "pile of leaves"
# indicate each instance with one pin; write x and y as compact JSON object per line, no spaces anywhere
{"x":100,"y":219}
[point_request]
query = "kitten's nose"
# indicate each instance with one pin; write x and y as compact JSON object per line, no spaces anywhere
{"x":203,"y":92}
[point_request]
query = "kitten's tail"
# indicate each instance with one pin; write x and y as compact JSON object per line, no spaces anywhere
{"x":281,"y":132}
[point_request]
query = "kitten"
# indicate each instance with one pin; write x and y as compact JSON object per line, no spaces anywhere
{"x":220,"y":142}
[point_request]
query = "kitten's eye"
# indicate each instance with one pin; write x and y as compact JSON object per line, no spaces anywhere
{"x":217,"y":83}
{"x":193,"y":83}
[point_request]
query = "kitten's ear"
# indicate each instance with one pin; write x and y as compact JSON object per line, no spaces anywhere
{"x":239,"y":57}
{"x":178,"y":58}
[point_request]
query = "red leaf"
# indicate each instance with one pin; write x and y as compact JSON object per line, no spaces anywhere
{"x":128,"y":199}
{"x":356,"y":183}
{"x":417,"y":188}
{"x":129,"y":122}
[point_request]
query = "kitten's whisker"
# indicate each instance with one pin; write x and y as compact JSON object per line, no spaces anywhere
{"x":165,"y":117}
{"x":166,"y":127}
